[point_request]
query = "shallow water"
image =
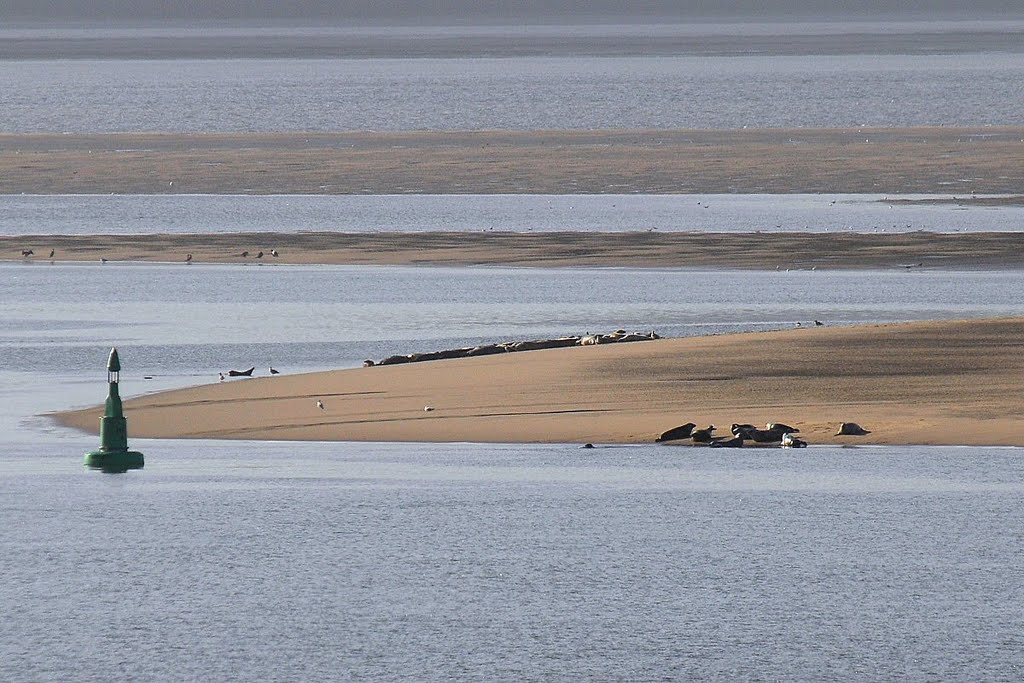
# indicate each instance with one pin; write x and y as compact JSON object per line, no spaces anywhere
{"x":135,"y":214}
{"x":433,"y":562}
{"x":517,"y":93}
{"x":326,"y":561}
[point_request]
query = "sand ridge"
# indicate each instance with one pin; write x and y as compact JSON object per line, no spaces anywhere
{"x":949,"y":382}
{"x":938,"y":160}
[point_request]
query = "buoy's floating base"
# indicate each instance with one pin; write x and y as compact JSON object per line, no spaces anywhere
{"x":114,"y":461}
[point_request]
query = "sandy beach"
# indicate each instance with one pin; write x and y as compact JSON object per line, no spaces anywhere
{"x":950,"y":382}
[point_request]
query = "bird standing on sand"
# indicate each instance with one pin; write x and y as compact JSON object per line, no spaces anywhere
{"x":27,"y":252}
{"x":319,"y":404}
{"x":273,"y":252}
{"x":259,"y":255}
{"x":274,"y":372}
{"x":188,"y":259}
{"x":244,"y":254}
{"x":221,"y":376}
{"x":103,"y":260}
{"x":52,"y":252}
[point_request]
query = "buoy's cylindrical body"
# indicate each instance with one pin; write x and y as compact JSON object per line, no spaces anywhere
{"x":113,"y":425}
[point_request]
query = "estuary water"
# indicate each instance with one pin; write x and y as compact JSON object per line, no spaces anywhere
{"x":141,"y":214}
{"x":326,"y":562}
{"x":523,"y":93}
{"x":512,"y":78}
{"x":350,"y":561}
{"x":262,"y":561}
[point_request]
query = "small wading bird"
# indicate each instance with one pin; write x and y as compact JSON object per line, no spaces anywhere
{"x":51,"y":253}
{"x":273,"y":252}
{"x":274,"y":372}
{"x":319,"y":404}
{"x":188,"y":259}
{"x":259,"y":255}
{"x":27,"y":252}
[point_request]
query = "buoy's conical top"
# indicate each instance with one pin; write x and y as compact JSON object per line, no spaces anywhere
{"x":113,"y":363}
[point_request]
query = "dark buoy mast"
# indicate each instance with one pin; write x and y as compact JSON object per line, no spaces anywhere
{"x":113,"y":454}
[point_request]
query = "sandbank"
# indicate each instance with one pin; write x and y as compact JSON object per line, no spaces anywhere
{"x":936,"y":160}
{"x":753,"y":251}
{"x":949,"y":382}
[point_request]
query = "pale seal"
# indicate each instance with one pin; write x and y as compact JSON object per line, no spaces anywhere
{"x":851,"y":429}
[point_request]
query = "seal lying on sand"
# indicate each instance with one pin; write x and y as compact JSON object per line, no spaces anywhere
{"x":703,"y":435}
{"x":680,"y":432}
{"x":735,"y":442}
{"x":790,"y":441}
{"x":779,"y":427}
{"x":759,"y":435}
{"x":851,"y":429}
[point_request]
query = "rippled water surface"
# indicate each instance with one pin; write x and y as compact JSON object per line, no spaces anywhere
{"x":134,"y":214}
{"x":396,"y":562}
{"x":338,"y":561}
{"x":518,"y":93}
{"x":263,"y":561}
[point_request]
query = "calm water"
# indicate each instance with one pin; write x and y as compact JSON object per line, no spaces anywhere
{"x":310,"y":561}
{"x":321,"y":561}
{"x":134,"y":214}
{"x":272,"y":561}
{"x":677,"y":76}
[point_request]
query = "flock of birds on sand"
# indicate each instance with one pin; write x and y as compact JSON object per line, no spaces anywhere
{"x":27,"y":253}
{"x":773,"y":434}
{"x":244,"y":254}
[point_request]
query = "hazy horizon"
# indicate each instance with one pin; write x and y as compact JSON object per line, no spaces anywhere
{"x":487,"y":11}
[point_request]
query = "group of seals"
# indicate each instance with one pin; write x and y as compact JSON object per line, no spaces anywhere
{"x":773,"y":433}
{"x":618,"y":336}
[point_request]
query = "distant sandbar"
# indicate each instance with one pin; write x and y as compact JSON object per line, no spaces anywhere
{"x":752,"y":251}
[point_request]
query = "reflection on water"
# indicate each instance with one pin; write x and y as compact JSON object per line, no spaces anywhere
{"x":141,"y":214}
{"x":431,"y":562}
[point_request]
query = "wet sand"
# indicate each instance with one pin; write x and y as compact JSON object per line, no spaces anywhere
{"x":755,"y":251}
{"x":954,"y":161}
{"x":950,"y":382}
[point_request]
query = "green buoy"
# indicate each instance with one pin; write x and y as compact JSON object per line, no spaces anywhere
{"x":113,"y":454}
